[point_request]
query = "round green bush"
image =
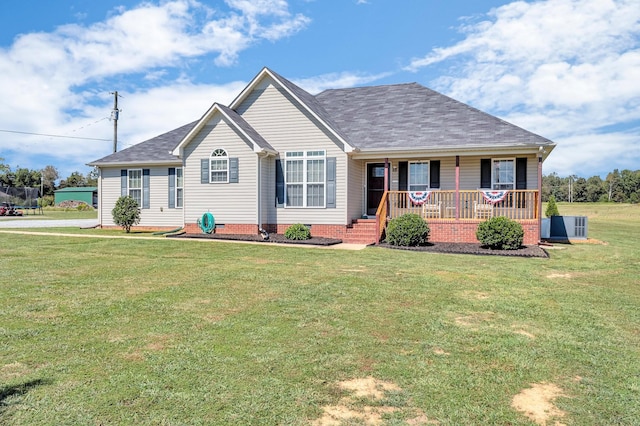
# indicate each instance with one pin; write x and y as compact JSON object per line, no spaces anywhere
{"x":500,"y":233}
{"x":298,"y":232}
{"x":408,"y":230}
{"x":126,"y":213}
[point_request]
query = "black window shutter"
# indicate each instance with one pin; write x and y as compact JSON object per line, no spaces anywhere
{"x":434,"y":174}
{"x":145,"y":188}
{"x":485,"y":173}
{"x":521,"y":173}
{"x":233,"y":170}
{"x":123,"y":183}
{"x":403,"y":168}
{"x":172,"y":187}
{"x":279,"y":184}
{"x":331,"y":182}
{"x":204,"y":170}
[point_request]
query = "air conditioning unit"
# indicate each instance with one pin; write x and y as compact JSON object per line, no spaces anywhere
{"x":566,"y":228}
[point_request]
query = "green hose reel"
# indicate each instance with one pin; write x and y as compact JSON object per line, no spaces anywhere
{"x":207,"y":223}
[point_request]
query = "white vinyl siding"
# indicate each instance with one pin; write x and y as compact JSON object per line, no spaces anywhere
{"x":157,"y":215}
{"x":275,"y":115}
{"x":469,"y":172}
{"x":356,"y":189}
{"x":235,"y":203}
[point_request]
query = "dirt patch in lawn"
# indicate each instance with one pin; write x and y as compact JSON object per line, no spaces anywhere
{"x":536,"y":403}
{"x":364,"y":405}
{"x":475,"y":319}
{"x":13,"y":370}
{"x":555,"y":275}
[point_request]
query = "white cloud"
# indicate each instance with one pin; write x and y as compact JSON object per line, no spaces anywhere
{"x":565,"y":69}
{"x":45,"y":75}
{"x":319,"y":83}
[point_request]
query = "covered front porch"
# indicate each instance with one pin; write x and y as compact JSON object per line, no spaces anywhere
{"x":453,"y":216}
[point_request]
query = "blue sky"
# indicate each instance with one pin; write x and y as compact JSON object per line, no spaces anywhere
{"x":568,"y":70}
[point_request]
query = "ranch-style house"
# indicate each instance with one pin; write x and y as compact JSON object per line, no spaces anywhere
{"x":343,"y":162}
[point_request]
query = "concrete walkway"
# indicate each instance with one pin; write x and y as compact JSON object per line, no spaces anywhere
{"x":91,"y":222}
{"x":27,"y":222}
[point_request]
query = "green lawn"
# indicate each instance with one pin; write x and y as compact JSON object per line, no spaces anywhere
{"x":175,"y":332}
{"x":54,"y":213}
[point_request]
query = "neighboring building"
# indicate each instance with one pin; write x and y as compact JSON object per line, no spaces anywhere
{"x":86,"y":194}
{"x":343,"y":162}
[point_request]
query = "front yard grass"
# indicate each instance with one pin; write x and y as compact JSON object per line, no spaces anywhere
{"x":131,"y":331}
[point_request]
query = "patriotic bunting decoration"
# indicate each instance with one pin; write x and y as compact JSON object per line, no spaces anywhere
{"x":419,"y":197}
{"x":494,"y":197}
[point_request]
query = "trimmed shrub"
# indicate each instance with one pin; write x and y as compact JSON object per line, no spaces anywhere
{"x":126,"y":213}
{"x":408,"y":230}
{"x":298,"y":232}
{"x":500,"y":233}
{"x":552,"y":207}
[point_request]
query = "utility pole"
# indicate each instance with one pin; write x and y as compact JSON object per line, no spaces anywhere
{"x":114,"y":115}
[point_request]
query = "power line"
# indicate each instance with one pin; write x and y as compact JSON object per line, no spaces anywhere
{"x":54,"y":136}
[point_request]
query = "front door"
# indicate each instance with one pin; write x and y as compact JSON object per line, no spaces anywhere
{"x":375,"y":187}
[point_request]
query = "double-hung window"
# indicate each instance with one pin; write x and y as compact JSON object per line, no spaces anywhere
{"x":179,"y":187}
{"x":305,"y":178}
{"x":503,"y":174}
{"x":219,"y":167}
{"x":134,"y":185}
{"x":418,"y":176}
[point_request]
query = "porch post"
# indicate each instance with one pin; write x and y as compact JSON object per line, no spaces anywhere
{"x":457,"y":187}
{"x":386,"y":174}
{"x":539,"y":197}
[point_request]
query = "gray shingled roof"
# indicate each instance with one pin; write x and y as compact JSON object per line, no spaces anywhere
{"x":394,"y":117}
{"x":246,"y":127}
{"x":410,"y":116}
{"x":154,"y":150}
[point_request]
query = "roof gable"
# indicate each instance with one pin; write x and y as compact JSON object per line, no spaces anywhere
{"x":304,"y":98}
{"x":236,"y":121}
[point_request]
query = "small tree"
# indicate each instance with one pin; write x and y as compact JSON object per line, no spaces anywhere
{"x":126,"y":213}
{"x":552,"y":207}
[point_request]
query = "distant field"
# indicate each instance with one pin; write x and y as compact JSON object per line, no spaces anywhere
{"x":168,"y":332}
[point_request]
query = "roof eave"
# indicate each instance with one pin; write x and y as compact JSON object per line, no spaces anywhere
{"x":447,"y":151}
{"x":176,"y":162}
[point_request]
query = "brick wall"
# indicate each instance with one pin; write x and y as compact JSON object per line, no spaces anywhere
{"x":231,"y":228}
{"x":465,"y":231}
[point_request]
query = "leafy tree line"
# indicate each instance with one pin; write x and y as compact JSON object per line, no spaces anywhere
{"x":618,"y":187}
{"x":47,"y":177}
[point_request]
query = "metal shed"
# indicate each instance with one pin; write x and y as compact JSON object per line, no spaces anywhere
{"x":86,"y":194}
